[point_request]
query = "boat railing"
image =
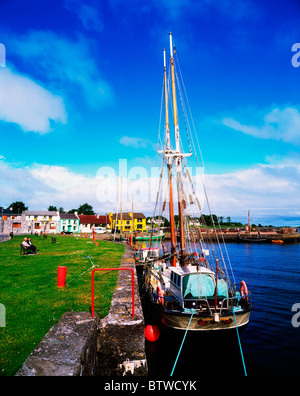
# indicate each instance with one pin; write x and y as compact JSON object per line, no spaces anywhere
{"x":225,"y":304}
{"x":236,"y":301}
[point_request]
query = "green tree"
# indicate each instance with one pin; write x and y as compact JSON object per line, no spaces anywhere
{"x":18,"y":207}
{"x":86,"y":209}
{"x":52,"y":208}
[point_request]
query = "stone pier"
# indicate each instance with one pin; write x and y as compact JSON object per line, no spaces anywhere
{"x":80,"y":345}
{"x":121,"y":340}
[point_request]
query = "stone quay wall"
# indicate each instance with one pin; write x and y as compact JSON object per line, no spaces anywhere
{"x":80,"y":345}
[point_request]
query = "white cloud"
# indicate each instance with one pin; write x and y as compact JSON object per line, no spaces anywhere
{"x":28,"y":104}
{"x":279,"y":124}
{"x":265,"y":189}
{"x":68,"y":65}
{"x":136,"y":142}
{"x":88,"y":14}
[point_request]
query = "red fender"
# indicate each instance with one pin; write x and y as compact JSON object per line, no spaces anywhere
{"x":160,"y":294}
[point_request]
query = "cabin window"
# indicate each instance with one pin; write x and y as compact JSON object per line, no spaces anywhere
{"x":172,"y":276}
{"x":175,"y":278}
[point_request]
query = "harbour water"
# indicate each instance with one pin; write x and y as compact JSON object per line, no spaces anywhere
{"x":271,"y":341}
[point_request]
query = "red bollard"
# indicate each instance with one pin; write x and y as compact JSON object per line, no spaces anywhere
{"x":61,"y":276}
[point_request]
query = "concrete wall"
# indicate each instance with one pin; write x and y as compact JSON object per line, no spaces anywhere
{"x":82,"y":346}
{"x":69,"y":349}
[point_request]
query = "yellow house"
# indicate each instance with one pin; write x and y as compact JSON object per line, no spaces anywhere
{"x":126,"y":222}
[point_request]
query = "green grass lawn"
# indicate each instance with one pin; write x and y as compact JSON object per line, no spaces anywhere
{"x":32,"y":300}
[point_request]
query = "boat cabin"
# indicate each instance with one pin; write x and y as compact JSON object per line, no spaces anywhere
{"x":187,"y":284}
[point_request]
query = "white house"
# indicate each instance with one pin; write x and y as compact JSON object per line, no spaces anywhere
{"x":41,"y":221}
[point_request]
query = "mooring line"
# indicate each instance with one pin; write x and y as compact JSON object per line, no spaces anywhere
{"x":240,"y":345}
{"x":193,"y":311}
{"x":76,"y":277}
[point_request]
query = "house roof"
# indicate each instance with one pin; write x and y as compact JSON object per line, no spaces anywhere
{"x":40,"y":213}
{"x":93,"y":219}
{"x":6,"y":212}
{"x":68,"y":216}
{"x":128,"y":216}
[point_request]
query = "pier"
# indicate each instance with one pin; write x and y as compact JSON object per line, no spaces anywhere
{"x":82,"y":345}
{"x":287,"y":235}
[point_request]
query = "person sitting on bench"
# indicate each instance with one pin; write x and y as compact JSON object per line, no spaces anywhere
{"x":31,"y":246}
{"x":25,"y":245}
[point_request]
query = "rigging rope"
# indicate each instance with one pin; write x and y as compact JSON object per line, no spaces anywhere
{"x":193,"y":311}
{"x":240,"y":345}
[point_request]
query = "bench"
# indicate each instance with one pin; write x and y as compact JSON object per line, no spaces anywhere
{"x":23,"y":250}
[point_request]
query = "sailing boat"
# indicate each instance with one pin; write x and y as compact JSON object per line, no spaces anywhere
{"x":189,"y":286}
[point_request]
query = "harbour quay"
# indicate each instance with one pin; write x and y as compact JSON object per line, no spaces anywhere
{"x":286,"y":235}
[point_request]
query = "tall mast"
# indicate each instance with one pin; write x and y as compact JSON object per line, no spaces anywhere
{"x":166,"y":106}
{"x":249,"y":225}
{"x":121,"y":208}
{"x":170,"y":166}
{"x":178,"y":158}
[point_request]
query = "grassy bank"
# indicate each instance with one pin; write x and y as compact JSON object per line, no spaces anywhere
{"x":32,"y":300}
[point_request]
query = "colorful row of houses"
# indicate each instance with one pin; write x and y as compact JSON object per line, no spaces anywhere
{"x":37,"y":221}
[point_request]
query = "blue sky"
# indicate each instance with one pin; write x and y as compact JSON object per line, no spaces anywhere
{"x":82,"y":89}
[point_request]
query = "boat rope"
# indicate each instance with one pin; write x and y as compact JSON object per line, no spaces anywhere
{"x":240,"y":345}
{"x":76,"y":277}
{"x":193,"y":311}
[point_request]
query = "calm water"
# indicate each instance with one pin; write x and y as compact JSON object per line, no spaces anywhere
{"x":271,"y":345}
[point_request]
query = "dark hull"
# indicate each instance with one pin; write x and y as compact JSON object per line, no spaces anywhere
{"x":180,"y":320}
